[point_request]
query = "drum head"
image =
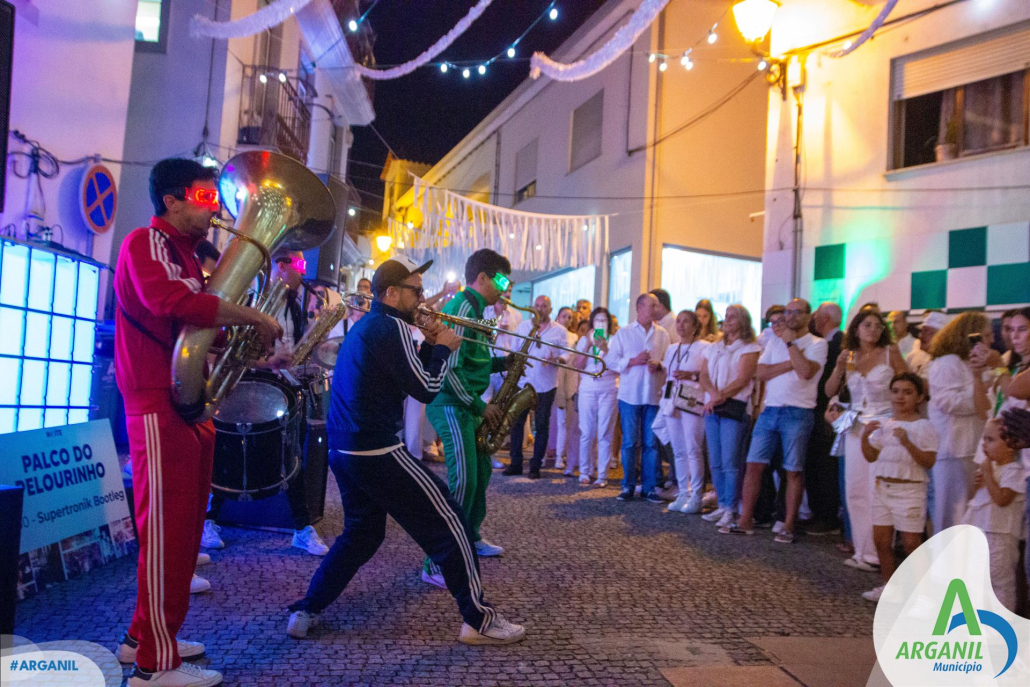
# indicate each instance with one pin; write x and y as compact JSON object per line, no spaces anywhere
{"x":326,"y":352}
{"x":253,"y":401}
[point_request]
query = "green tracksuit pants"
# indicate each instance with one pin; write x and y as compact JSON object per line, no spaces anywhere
{"x":468,"y":472}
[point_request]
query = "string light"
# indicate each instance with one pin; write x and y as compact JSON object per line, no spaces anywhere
{"x":352,"y":25}
{"x":553,"y":14}
{"x":411,"y":225}
{"x":466,"y":73}
{"x":847,"y":45}
{"x":687,"y":63}
{"x":651,"y":57}
{"x":762,"y":64}
{"x":262,"y":78}
{"x":482,"y":69}
{"x":443,"y":67}
{"x":511,"y":51}
{"x":282,"y":77}
{"x":712,"y":35}
{"x":663,"y":66}
{"x":351,"y":211}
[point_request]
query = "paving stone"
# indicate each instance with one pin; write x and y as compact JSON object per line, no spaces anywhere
{"x":611,"y":593}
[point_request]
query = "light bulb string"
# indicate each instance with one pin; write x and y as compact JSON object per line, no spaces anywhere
{"x":458,"y":64}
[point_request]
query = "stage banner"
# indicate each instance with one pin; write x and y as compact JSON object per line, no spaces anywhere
{"x":76,"y":513}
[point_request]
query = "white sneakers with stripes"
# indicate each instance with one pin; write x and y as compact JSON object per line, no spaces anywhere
{"x":188,"y":651}
{"x":308,"y":540}
{"x":300,"y":623}
{"x":486,"y":549}
{"x":186,"y":675}
{"x":198,"y":585}
{"x":500,"y":631}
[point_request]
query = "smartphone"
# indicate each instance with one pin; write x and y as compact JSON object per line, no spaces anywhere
{"x":975,"y":338}
{"x":598,"y":333}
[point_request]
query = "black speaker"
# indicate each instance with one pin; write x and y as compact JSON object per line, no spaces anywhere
{"x":274,"y":512}
{"x":10,"y":547}
{"x":6,"y":60}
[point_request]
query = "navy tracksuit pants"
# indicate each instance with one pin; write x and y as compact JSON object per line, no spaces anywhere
{"x":398,"y":485}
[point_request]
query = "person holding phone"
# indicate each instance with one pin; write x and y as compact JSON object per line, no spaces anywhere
{"x":958,"y":408}
{"x":598,"y":400}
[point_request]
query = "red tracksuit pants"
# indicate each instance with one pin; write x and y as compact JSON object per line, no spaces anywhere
{"x":171,"y":479}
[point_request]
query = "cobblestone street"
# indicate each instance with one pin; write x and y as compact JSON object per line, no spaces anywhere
{"x":611,"y":594}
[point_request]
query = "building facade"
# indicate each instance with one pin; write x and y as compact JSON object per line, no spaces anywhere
{"x":634,"y":142}
{"x":915,"y":156}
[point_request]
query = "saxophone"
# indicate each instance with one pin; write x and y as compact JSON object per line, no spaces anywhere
{"x":512,"y":400}
{"x":329,"y":318}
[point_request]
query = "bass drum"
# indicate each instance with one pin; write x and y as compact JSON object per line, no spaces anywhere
{"x":257,"y":437}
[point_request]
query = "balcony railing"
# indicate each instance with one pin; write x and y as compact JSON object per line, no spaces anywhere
{"x":360,"y":42}
{"x":272,"y":113}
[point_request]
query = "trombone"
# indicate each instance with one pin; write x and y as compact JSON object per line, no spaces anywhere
{"x":490,"y":329}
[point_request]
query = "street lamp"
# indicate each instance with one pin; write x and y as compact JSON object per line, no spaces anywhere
{"x":754,"y":18}
{"x":383,"y":242}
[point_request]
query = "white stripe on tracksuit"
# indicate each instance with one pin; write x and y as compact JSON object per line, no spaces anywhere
{"x":461,"y":474}
{"x":439,"y":502}
{"x":155,"y":545}
{"x":415,"y":363}
{"x":464,"y":310}
{"x":159,"y":253}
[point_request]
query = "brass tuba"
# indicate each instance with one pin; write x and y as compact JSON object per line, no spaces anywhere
{"x":279,"y":203}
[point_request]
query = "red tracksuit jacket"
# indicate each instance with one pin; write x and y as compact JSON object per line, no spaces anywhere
{"x":161,"y":292}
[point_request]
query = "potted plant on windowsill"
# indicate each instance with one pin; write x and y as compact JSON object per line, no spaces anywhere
{"x":949,"y":149}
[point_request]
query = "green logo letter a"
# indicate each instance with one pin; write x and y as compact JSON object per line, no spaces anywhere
{"x":957,"y":588}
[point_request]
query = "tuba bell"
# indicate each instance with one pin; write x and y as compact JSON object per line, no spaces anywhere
{"x":278,"y":203}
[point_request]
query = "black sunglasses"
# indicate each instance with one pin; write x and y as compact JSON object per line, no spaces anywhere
{"x":417,"y":289}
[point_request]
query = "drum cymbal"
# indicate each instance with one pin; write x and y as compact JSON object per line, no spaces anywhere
{"x":325,"y":353}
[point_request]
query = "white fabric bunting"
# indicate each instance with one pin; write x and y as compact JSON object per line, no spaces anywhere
{"x":273,"y":14}
{"x":453,"y":227}
{"x":621,"y":41}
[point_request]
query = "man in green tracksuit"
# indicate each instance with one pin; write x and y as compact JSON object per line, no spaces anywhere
{"x":458,"y":409}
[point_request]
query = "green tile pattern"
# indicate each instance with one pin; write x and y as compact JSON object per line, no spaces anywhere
{"x":929,"y":289}
{"x":829,"y":261}
{"x":967,"y":247}
{"x":1008,"y":284}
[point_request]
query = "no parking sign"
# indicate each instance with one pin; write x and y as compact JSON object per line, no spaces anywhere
{"x":98,"y":198}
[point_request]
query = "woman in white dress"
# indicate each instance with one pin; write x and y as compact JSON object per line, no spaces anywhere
{"x":686,"y":427}
{"x":958,"y":407}
{"x":598,"y":400}
{"x":866,"y":365}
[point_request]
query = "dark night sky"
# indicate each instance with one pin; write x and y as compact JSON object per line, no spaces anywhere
{"x":425,"y":114}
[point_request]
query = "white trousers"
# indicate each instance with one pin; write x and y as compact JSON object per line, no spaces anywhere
{"x":952,"y":478}
{"x":858,"y":492}
{"x":598,"y":412}
{"x":567,"y":441}
{"x":1004,"y":555}
{"x":687,"y":436}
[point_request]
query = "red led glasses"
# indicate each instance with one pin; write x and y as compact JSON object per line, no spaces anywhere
{"x":300,"y":264}
{"x":203,"y":196}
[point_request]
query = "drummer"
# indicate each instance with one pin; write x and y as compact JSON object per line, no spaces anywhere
{"x":290,"y":267}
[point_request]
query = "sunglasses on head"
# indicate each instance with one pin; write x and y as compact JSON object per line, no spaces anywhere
{"x":203,"y":196}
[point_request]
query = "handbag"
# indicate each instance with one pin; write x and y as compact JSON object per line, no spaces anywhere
{"x":689,"y":398}
{"x":732,"y":409}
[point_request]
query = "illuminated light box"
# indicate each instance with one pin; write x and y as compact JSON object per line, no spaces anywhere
{"x":48,"y":317}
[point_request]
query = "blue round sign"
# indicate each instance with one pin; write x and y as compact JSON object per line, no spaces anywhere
{"x":98,"y":198}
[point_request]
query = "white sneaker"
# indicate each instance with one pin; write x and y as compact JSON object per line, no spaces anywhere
{"x":198,"y":585}
{"x":487,"y":549}
{"x":861,"y":565}
{"x":677,"y":505}
{"x":210,"y":539}
{"x":874,"y":594}
{"x":436,"y":579}
{"x":301,"y":622}
{"x":500,"y":631}
{"x":714,"y":516}
{"x":778,"y":527}
{"x":203,"y":559}
{"x":727,"y":519}
{"x":309,"y":540}
{"x":186,"y":675}
{"x":559,"y":463}
{"x":188,"y":651}
{"x":692,"y":506}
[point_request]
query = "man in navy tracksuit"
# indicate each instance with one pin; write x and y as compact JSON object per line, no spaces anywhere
{"x":377,"y":367}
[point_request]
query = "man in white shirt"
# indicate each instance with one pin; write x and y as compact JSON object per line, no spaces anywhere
{"x":636,"y":353}
{"x":664,"y":316}
{"x":919,"y":358}
{"x":790,"y":367}
{"x":583,"y":309}
{"x":899,"y":325}
{"x":544,"y":378}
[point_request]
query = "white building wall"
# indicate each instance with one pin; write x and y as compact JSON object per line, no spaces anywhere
{"x":70,"y":91}
{"x":890,"y":228}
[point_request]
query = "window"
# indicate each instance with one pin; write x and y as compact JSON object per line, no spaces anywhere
{"x":525,"y":172}
{"x":565,"y":288}
{"x":586,"y":132}
{"x":152,"y":25}
{"x":620,"y":268}
{"x":48,"y":310}
{"x":965,"y":98}
{"x":690,"y":275}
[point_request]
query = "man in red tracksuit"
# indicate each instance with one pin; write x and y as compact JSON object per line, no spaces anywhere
{"x":158,"y":288}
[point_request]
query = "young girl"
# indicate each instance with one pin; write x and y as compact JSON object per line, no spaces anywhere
{"x":997,"y":508}
{"x":901,"y":451}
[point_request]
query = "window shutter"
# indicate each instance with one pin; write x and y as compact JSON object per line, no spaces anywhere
{"x":963,"y":62}
{"x":586,"y":131}
{"x":525,"y":165}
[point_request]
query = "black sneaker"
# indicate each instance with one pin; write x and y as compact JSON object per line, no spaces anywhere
{"x":625,"y":495}
{"x":511,"y":470}
{"x":534,"y":474}
{"x":653,"y":497}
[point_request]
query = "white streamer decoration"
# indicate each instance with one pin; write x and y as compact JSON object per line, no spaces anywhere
{"x":868,"y":33}
{"x":619,"y":43}
{"x":453,"y":227}
{"x":273,"y":14}
{"x":437,"y":48}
